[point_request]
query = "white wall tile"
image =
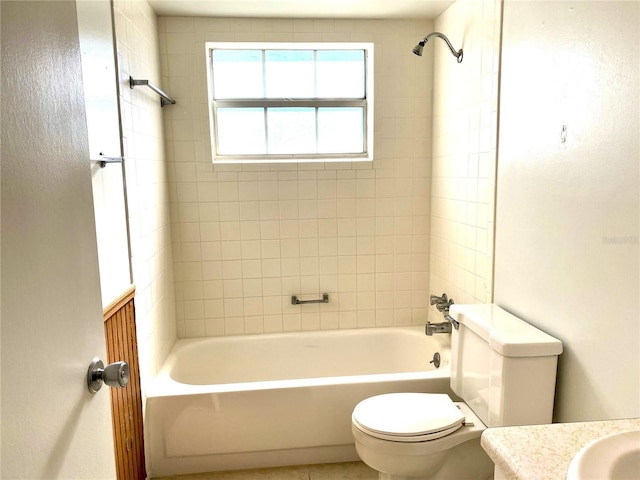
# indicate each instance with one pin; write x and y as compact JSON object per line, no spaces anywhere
{"x":290,"y":229}
{"x":252,"y":268}
{"x":460,"y":198}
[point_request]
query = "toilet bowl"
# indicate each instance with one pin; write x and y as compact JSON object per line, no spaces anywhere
{"x":412,"y":436}
{"x":503,"y":368}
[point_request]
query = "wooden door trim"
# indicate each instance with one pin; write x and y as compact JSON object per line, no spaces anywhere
{"x":119,"y":302}
{"x":126,"y":403}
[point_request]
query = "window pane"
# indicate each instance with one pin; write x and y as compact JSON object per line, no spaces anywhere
{"x":240,"y":131}
{"x":237,"y":74}
{"x":297,"y":102}
{"x":340,"y":130}
{"x":289,"y":74}
{"x":340,"y":73}
{"x":292,"y":130}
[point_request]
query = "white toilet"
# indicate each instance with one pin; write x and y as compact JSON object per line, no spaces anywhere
{"x":505,"y":371}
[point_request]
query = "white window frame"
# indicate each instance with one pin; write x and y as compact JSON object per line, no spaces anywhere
{"x":366,"y":103}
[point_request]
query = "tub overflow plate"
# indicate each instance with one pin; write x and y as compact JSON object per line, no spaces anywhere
{"x":436,"y":360}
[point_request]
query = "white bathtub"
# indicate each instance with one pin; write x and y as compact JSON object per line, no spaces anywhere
{"x":254,"y":401}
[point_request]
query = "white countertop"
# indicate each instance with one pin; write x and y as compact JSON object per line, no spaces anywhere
{"x":543,"y":452}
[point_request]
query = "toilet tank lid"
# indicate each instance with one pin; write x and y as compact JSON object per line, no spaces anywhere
{"x":506,"y":334}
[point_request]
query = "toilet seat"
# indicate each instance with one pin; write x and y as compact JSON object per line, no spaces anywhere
{"x":408,"y":417}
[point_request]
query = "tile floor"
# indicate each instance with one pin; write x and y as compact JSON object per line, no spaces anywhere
{"x":332,"y":471}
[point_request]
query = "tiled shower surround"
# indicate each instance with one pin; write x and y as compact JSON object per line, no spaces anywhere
{"x":465,"y":122}
{"x":148,"y":200}
{"x":246,"y":238}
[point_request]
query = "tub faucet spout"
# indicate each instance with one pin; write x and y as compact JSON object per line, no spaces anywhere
{"x":431,"y":328}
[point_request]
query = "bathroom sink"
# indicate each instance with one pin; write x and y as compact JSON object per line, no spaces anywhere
{"x":612,"y":457}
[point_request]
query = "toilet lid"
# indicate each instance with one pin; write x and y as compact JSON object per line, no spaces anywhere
{"x":404,"y":416}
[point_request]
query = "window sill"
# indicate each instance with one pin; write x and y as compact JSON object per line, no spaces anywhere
{"x":293,"y":159}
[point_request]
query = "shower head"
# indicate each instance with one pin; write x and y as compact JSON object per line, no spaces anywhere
{"x":420,"y":46}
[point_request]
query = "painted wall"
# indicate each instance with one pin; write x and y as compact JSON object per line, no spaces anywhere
{"x":567,"y":256}
{"x":246,"y":238}
{"x":95,"y":29}
{"x":464,"y":153}
{"x":147,"y":182}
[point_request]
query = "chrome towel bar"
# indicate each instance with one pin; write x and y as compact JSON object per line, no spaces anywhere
{"x":164,"y":98}
{"x":103,"y":160}
{"x":296,"y":301}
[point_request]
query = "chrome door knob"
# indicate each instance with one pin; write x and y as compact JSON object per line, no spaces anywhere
{"x":114,"y":375}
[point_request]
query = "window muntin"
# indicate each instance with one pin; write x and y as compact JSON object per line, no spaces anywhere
{"x":291,"y":102}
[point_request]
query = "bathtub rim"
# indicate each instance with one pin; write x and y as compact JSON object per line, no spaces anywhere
{"x":163,"y":385}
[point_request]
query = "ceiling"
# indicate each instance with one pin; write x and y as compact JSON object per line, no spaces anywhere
{"x":423,"y":9}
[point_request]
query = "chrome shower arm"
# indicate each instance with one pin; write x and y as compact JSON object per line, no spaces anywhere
{"x":443,"y":37}
{"x":418,"y":48}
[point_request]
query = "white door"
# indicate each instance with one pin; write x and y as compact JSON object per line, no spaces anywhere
{"x":52,"y":427}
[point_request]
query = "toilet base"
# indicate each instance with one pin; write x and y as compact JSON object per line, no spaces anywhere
{"x":467,"y":461}
{"x":388,"y":476}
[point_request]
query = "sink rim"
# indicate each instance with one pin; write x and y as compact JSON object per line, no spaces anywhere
{"x":581,"y":468}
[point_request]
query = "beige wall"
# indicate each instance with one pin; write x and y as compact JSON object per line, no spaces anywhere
{"x":137,"y":50}
{"x":567,"y":212}
{"x":464,"y":153}
{"x":247,"y":238}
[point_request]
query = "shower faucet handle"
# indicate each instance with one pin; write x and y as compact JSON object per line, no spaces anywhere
{"x":444,"y":306}
{"x":442,"y":303}
{"x":435,"y":299}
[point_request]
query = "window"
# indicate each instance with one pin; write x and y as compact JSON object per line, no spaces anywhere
{"x":295,"y":102}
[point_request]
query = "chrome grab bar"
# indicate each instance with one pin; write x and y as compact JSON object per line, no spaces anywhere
{"x":296,"y":301}
{"x":164,"y":100}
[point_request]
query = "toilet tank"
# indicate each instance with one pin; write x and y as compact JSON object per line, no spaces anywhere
{"x":502,"y":367}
